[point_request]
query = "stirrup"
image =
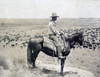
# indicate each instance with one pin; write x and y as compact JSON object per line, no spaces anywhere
{"x":61,"y":57}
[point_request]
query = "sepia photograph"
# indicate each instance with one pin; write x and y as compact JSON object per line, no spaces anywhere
{"x":49,"y":38}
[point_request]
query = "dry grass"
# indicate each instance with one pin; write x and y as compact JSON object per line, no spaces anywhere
{"x":13,"y":59}
{"x":3,"y":62}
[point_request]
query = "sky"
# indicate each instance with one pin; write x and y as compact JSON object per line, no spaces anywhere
{"x":44,"y":8}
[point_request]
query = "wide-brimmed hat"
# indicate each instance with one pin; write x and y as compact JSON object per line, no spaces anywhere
{"x":54,"y":15}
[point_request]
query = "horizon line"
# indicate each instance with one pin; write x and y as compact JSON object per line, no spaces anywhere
{"x":59,"y":18}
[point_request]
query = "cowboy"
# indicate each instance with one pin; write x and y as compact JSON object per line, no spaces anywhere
{"x":55,"y":34}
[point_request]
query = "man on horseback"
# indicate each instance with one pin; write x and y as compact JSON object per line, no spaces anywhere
{"x":55,"y":35}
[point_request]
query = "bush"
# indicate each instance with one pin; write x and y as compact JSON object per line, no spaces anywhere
{"x":3,"y":62}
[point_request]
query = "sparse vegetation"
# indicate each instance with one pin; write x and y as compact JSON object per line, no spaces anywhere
{"x":3,"y":62}
{"x":14,"y":37}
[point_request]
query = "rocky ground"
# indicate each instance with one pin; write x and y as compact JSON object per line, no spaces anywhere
{"x":82,"y":62}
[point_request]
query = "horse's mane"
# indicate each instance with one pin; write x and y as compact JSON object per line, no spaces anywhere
{"x":72,"y":37}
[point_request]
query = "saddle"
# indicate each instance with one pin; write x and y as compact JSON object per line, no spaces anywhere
{"x":49,"y":43}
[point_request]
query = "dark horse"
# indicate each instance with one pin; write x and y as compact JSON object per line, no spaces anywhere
{"x":35,"y":45}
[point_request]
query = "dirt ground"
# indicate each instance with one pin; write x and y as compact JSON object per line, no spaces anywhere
{"x":81,"y":62}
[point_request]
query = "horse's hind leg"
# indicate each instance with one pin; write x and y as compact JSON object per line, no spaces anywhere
{"x":29,"y":55}
{"x":34,"y":56}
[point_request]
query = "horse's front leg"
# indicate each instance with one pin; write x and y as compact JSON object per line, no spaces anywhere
{"x":62,"y":66}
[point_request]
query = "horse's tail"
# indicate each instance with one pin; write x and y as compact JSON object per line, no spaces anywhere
{"x":29,"y":54}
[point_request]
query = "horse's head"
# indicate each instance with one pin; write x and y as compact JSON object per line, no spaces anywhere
{"x":80,"y":38}
{"x":77,"y":37}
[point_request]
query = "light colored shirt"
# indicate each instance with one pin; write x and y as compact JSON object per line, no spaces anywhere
{"x":52,"y":28}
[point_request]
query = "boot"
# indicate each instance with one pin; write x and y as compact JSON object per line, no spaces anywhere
{"x":59,"y":52}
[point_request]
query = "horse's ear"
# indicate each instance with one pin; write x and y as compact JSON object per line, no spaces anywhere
{"x":81,"y":33}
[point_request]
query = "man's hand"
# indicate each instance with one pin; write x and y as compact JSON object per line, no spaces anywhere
{"x":57,"y":35}
{"x":61,"y":34}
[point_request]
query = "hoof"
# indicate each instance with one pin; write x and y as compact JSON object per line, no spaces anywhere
{"x":34,"y":66}
{"x":61,"y":74}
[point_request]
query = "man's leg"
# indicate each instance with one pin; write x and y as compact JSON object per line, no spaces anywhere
{"x":59,"y":51}
{"x":58,"y":47}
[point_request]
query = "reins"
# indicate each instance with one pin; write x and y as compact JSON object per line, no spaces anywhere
{"x":63,"y":39}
